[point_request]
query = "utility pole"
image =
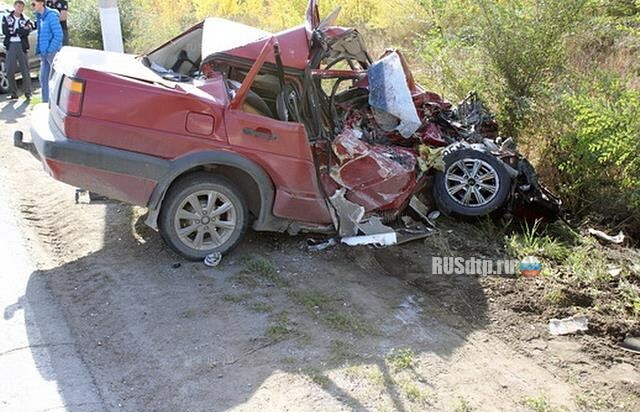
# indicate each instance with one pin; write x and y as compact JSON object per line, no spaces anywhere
{"x":110,"y":22}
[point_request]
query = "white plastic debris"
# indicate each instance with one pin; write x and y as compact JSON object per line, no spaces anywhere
{"x":374,"y":226}
{"x":315,"y":246}
{"x":617,"y":239}
{"x":381,"y":239}
{"x":631,"y":344}
{"x":82,"y":196}
{"x":568,"y":326}
{"x":213,"y":259}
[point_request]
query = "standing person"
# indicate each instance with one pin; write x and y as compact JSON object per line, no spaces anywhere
{"x":49,"y":41}
{"x":16,"y":27}
{"x":63,"y":8}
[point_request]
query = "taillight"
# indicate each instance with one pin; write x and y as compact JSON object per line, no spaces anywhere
{"x":71,"y":94}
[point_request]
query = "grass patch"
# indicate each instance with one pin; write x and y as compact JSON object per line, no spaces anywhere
{"x":236,"y":298}
{"x":260,"y":307}
{"x":317,"y":377}
{"x":413,"y":392}
{"x":370,"y":373}
{"x":533,"y":240}
{"x":555,"y":297}
{"x":340,"y":352}
{"x":312,"y":300}
{"x":462,"y":405}
{"x":244,"y":279}
{"x":538,"y":404}
{"x":400,"y":358}
{"x":588,"y":264}
{"x":281,"y":328}
{"x":349,"y":323}
{"x":327,"y":309}
{"x":188,"y":314}
{"x":258,"y":271}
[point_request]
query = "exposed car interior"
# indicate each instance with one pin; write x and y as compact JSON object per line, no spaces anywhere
{"x":179,"y":59}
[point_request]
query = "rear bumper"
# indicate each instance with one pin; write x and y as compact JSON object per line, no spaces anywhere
{"x":117,"y":174}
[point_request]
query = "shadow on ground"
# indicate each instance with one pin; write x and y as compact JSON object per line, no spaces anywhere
{"x":157,"y":332}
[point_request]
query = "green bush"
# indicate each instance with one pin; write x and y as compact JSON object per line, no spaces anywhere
{"x":524,"y":42}
{"x":599,"y":157}
{"x":84,"y":23}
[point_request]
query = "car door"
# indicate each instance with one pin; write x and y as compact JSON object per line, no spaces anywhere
{"x":283,"y":150}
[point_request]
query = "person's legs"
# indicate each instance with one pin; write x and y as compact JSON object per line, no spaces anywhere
{"x":44,"y":78}
{"x":45,"y":70}
{"x":12,"y":56}
{"x":26,"y":74}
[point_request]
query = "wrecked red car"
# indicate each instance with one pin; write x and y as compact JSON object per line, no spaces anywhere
{"x":228,"y":126}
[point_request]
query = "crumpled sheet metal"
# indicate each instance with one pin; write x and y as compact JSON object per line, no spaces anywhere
{"x":346,"y":215}
{"x":375,"y":233}
{"x":375,"y":175}
{"x":389,"y":93}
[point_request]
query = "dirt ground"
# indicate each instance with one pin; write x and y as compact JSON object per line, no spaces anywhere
{"x":276,"y":327}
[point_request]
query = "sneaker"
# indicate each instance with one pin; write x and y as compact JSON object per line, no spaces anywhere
{"x":27,"y":96}
{"x":13,"y":97}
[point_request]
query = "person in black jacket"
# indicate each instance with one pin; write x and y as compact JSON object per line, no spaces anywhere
{"x":63,"y":8}
{"x":15,"y":28}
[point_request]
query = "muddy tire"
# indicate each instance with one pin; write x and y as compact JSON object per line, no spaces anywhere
{"x":473,"y":184}
{"x":203,"y":213}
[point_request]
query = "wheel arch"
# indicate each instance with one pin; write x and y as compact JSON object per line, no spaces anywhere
{"x":253,"y":182}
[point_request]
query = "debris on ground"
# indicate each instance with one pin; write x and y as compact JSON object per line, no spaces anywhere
{"x":213,"y":259}
{"x":631,"y":344}
{"x":86,"y":197}
{"x":423,"y":211}
{"x":568,"y":325}
{"x":314,"y":245}
{"x":617,"y":239}
{"x":381,"y":239}
{"x":374,"y":226}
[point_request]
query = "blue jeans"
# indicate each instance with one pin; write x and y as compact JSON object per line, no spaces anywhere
{"x":46,"y":60}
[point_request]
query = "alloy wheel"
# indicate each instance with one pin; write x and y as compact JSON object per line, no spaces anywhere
{"x":205,"y":219}
{"x":472,"y":182}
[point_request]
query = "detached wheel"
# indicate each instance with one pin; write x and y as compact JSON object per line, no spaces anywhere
{"x":473,"y":183}
{"x":203,"y":213}
{"x":4,"y":80}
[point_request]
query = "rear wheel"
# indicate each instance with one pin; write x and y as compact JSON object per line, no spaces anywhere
{"x":4,"y":79}
{"x":203,"y":213}
{"x":473,"y":183}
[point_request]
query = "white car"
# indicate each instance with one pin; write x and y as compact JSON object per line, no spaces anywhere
{"x":34,"y":61}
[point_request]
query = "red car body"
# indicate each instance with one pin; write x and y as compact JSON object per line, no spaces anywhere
{"x":118,"y":128}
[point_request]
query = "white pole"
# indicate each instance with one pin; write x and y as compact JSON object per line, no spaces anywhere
{"x":110,"y":22}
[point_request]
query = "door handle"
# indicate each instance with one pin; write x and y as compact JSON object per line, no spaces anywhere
{"x":260,"y":132}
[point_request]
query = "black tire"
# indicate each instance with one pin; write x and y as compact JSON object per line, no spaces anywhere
{"x":199,"y":187}
{"x":451,"y":186}
{"x":4,"y":82}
